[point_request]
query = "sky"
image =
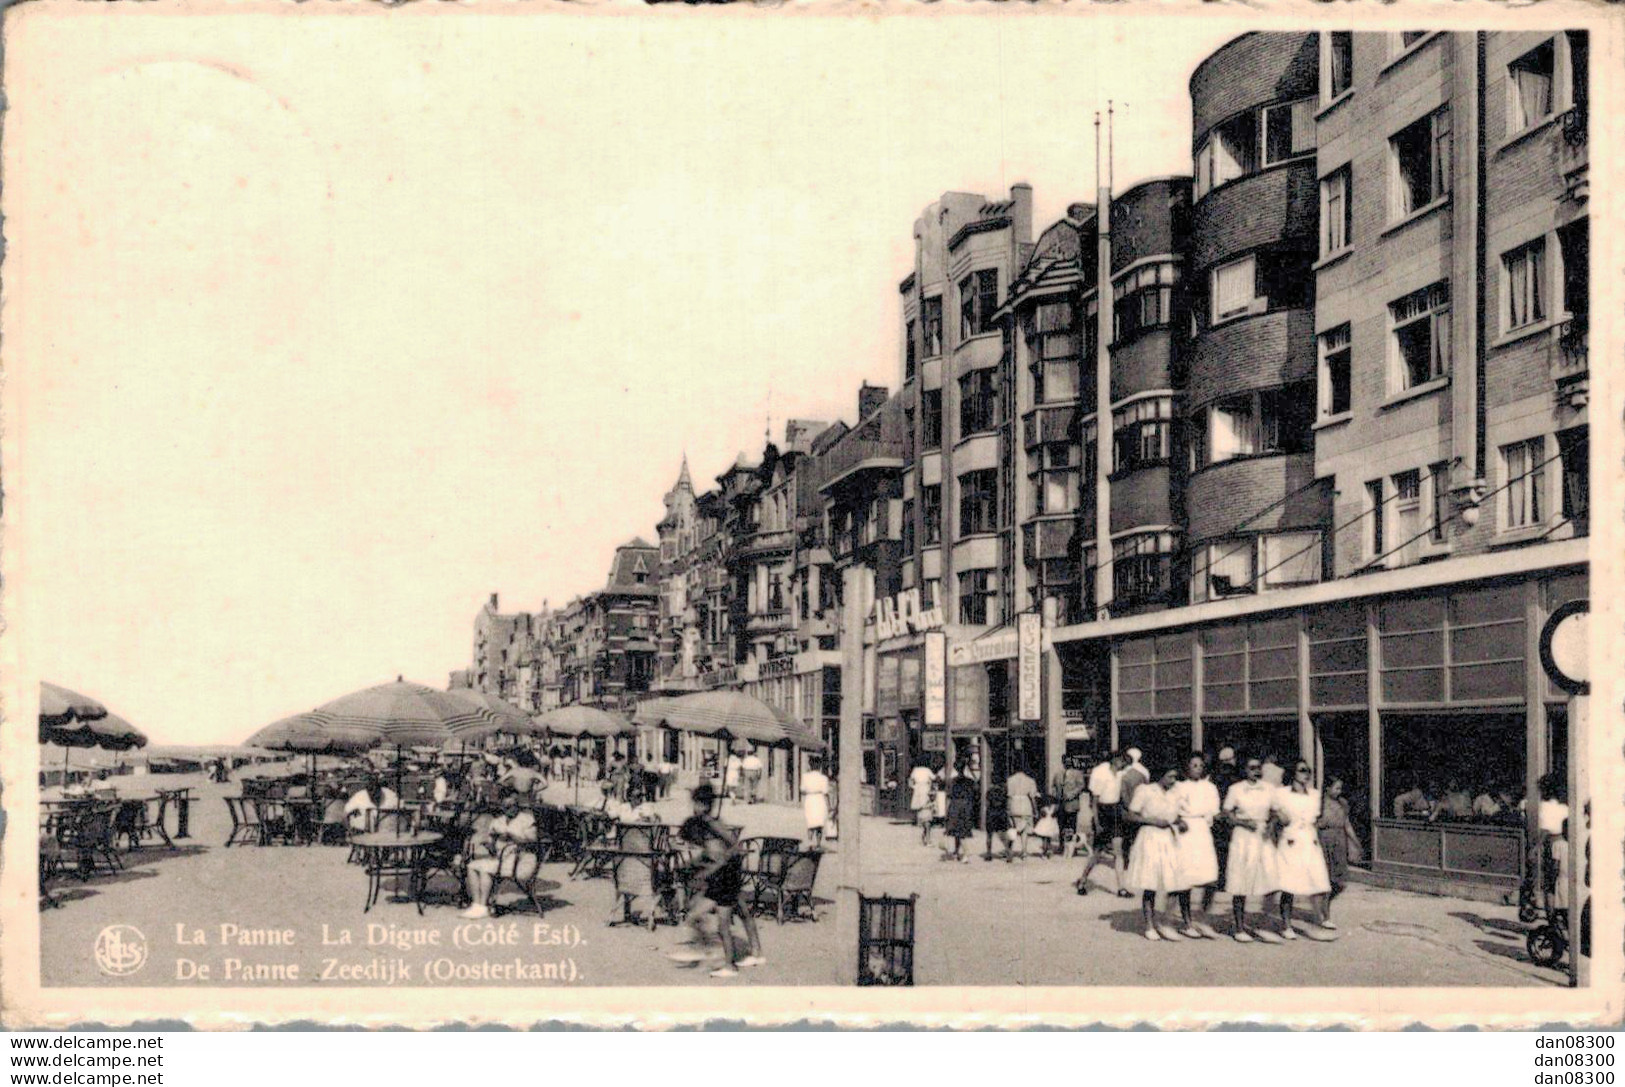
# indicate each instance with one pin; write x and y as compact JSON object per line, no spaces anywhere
{"x":320,"y":329}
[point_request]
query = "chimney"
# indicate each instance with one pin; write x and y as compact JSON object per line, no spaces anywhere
{"x":493,"y":601}
{"x":1021,"y":215}
{"x":870,"y":399}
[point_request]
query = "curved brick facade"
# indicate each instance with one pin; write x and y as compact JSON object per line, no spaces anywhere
{"x":1219,"y":497}
{"x":1262,"y":352}
{"x":1253,"y":70}
{"x":1277,"y":206}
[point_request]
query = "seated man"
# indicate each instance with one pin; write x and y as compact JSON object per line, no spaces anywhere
{"x":360,"y":810}
{"x":500,"y":852}
{"x":1457,"y":802}
{"x":1413,"y":803}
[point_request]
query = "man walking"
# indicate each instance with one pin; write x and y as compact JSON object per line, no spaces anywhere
{"x":1106,"y":793}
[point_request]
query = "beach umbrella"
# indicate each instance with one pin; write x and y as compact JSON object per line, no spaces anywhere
{"x":516,"y":718}
{"x":728,"y":715}
{"x":579,"y":722}
{"x":109,"y":732}
{"x":309,"y":734}
{"x":404,"y":715}
{"x":60,"y":708}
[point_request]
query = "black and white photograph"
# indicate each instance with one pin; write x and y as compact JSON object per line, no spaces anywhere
{"x":899,"y":502}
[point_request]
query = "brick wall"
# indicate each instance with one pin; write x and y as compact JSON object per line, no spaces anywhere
{"x":1220,"y":496}
{"x":1141,"y":498}
{"x":1280,"y":204}
{"x":1262,"y":352}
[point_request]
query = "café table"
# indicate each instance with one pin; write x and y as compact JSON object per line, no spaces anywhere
{"x":392,"y":853}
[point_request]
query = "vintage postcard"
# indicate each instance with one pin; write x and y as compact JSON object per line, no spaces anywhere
{"x":872,"y":513}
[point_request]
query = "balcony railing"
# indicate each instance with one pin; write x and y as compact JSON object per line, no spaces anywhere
{"x":856,"y":454}
{"x":1571,"y":362}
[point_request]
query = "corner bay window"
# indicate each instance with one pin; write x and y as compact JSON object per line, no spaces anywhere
{"x":978,"y":298}
{"x":1058,"y":484}
{"x":1140,"y":433}
{"x":1336,"y":361}
{"x":1256,"y":564}
{"x":931,"y":325}
{"x":1063,"y":580}
{"x":1252,"y":139}
{"x":1142,"y":566}
{"x":978,"y":402}
{"x":1144,"y":299}
{"x":1253,"y":424}
{"x":1052,"y":340}
{"x":1419,"y":337}
{"x":978,"y":501}
{"x":1419,"y":164}
{"x":977,"y":588}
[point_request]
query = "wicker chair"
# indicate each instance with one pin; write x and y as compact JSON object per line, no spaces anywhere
{"x":791,"y":887}
{"x":647,"y":877}
{"x":245,"y":821}
{"x":88,"y":835}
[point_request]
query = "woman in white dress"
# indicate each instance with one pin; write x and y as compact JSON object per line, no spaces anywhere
{"x":815,"y":802}
{"x":1153,"y":864}
{"x":1249,"y":870}
{"x":1198,"y":800}
{"x":1300,"y":866}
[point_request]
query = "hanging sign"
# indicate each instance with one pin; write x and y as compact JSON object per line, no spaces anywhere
{"x":1029,"y":675}
{"x":935,"y":710}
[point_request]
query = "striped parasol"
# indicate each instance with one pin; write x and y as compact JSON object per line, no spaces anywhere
{"x":62,"y":711}
{"x":579,"y":721}
{"x":311,"y":734}
{"x":729,"y":715}
{"x":510,"y":718}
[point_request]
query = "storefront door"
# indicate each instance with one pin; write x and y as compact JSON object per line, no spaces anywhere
{"x":1345,"y":744}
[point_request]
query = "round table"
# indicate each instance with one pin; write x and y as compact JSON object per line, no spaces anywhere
{"x":391,"y":853}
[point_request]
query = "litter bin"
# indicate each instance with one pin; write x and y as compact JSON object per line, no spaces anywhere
{"x":886,"y":940}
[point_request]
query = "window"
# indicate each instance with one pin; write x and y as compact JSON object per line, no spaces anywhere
{"x":1233,"y":289}
{"x":1335,"y":372}
{"x":978,"y":501}
{"x":1058,"y":578}
{"x":909,"y":350}
{"x":1287,"y":130}
{"x":931,"y":324}
{"x":931,"y":513}
{"x":1285,"y":419}
{"x":1572,"y":447}
{"x":1140,"y":435}
{"x":1523,"y":285}
{"x":1374,"y":536}
{"x":1235,"y":148}
{"x":1229,"y":567}
{"x":1290,"y":558}
{"x":930,"y":592}
{"x":908,"y":527}
{"x":1057,"y":381}
{"x":1579,"y":43}
{"x":978,"y":298}
{"x":1419,"y":164}
{"x":976,"y":589}
{"x":1407,"y":517}
{"x":1419,"y":337}
{"x":1439,"y":495}
{"x":1233,"y":429}
{"x":1058,"y":484}
{"x":1574,"y":248}
{"x":1530,"y":81}
{"x":978,"y":402}
{"x":931,"y":419}
{"x":1336,"y":220}
{"x":1523,"y":503}
{"x":1404,"y":39}
{"x":1144,"y":299}
{"x":1142,"y":566}
{"x":1336,"y":64}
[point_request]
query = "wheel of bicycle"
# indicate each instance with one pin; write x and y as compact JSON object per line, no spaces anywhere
{"x":1546,"y":946}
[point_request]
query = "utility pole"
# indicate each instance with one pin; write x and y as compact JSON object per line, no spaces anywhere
{"x":857,"y":591}
{"x":1103,"y":376}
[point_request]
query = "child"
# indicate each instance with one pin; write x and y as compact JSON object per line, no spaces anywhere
{"x":1048,"y":828}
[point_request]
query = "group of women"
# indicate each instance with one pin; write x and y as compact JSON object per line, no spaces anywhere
{"x":1256,"y":841}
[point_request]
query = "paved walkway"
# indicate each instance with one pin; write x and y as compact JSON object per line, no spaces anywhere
{"x":982,"y":923}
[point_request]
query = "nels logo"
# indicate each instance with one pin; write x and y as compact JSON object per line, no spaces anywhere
{"x":121,"y":950}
